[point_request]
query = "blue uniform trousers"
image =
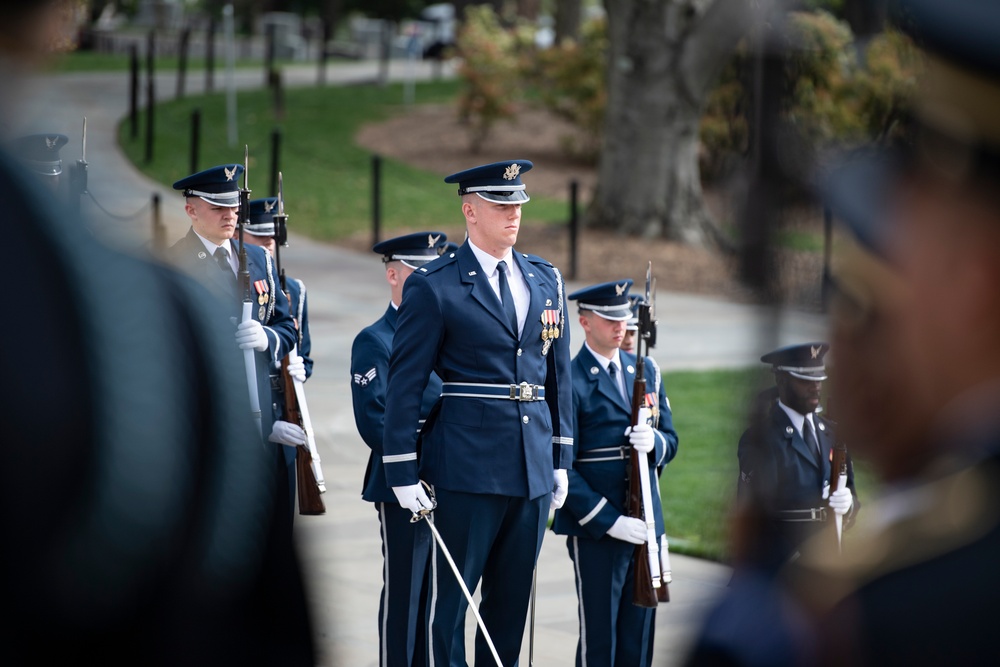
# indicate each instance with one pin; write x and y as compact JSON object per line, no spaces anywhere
{"x":406,"y":549}
{"x":613,"y":631}
{"x":496,"y":538}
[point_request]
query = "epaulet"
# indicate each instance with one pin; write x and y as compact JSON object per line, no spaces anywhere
{"x":535,"y":259}
{"x":437,"y":264}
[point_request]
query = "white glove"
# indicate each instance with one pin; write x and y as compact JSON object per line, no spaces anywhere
{"x":560,"y":487}
{"x":297,"y":367}
{"x":250,"y":336}
{"x":413,"y":498}
{"x":287,"y":433}
{"x":841,"y":500}
{"x":627,"y":529}
{"x":641,"y":436}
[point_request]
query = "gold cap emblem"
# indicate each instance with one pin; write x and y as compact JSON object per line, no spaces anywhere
{"x":268,"y":206}
{"x":432,"y":240}
{"x":229,"y":173}
{"x":620,"y":289}
{"x":511,"y":172}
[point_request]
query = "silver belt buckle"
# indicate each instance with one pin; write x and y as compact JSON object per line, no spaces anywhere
{"x":522,"y":392}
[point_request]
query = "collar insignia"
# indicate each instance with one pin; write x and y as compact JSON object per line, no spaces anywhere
{"x":433,"y":240}
{"x":511,"y":172}
{"x":229,"y":173}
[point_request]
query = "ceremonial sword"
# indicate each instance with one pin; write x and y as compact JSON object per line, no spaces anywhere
{"x":426,"y":514}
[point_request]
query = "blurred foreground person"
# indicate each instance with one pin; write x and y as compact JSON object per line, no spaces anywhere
{"x":921,"y":588}
{"x":134,"y":513}
{"x":916,"y":386}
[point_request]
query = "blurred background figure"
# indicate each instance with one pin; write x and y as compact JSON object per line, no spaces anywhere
{"x":136,"y":516}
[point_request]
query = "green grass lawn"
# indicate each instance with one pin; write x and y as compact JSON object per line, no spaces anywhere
{"x":698,"y":486}
{"x":327,"y":178}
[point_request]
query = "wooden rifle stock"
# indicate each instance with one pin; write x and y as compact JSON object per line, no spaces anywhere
{"x":307,"y":488}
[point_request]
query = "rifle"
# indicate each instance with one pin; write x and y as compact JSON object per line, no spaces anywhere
{"x":649,"y":587}
{"x":309,"y":475}
{"x":838,"y":470}
{"x":244,"y":281}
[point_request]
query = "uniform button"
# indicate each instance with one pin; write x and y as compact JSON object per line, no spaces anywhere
{"x":525,"y":419}
{"x":519,"y":351}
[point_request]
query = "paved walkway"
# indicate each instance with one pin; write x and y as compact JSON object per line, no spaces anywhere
{"x":341,"y":549}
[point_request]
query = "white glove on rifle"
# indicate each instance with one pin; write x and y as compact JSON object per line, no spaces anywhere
{"x":627,"y":529}
{"x":287,"y":433}
{"x":841,"y":500}
{"x":296,"y":367}
{"x":641,"y":436}
{"x":250,"y":336}
{"x":560,"y":487}
{"x":413,"y":498}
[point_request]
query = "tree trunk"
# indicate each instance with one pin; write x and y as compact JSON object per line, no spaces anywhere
{"x":663,"y":57}
{"x":569,"y":15}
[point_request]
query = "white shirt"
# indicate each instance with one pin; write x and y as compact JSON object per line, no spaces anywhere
{"x":227,"y":246}
{"x":798,"y":420}
{"x":518,"y":288}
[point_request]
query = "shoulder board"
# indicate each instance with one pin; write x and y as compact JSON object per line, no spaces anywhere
{"x":437,"y":264}
{"x":535,"y":259}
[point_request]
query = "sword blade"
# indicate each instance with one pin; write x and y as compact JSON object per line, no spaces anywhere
{"x":461,"y":583}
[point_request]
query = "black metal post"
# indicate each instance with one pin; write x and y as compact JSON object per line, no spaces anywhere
{"x":275,"y":159}
{"x":574,"y":228}
{"x":269,"y":54}
{"x":324,"y":39}
{"x":182,"y":60}
{"x":376,"y":198}
{"x":150,"y":92}
{"x":159,"y":231}
{"x":209,"y":54}
{"x":195,"y":139}
{"x":133,"y":91}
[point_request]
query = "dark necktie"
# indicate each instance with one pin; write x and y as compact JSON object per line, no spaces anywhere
{"x":222,"y":257}
{"x":613,"y":372}
{"x":810,"y":437}
{"x":506,"y":298}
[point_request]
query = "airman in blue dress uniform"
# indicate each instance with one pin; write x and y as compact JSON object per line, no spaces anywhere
{"x":260,"y":231}
{"x":785,"y":455}
{"x":495,"y":448}
{"x":210,"y":254}
{"x":601,"y":537}
{"x":405,"y":546}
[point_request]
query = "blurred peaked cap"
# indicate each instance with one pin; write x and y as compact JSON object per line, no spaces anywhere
{"x":219,"y":186}
{"x":804,"y":361}
{"x":40,"y":152}
{"x":632,"y":323}
{"x":414,"y":250}
{"x":956,"y":108}
{"x":499,"y":182}
{"x":262,"y":212}
{"x":608,"y":300}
